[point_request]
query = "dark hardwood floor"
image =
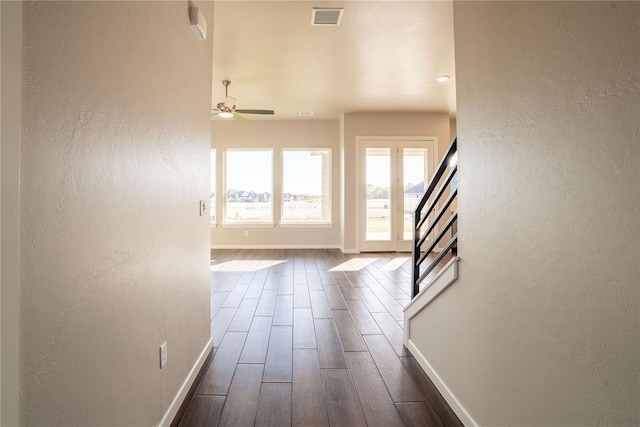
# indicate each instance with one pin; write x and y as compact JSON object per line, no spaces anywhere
{"x":312,"y":338}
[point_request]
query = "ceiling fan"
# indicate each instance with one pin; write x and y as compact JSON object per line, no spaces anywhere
{"x":227,"y":109}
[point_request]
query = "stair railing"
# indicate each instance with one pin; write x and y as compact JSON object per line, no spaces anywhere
{"x":431,"y":226}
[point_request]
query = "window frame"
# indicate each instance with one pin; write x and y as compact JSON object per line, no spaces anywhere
{"x":225,"y":222}
{"x":213,"y":185}
{"x":314,"y":223}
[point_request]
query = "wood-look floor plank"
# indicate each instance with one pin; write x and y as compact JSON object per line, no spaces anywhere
{"x":375,"y":291}
{"x":244,"y":315}
{"x":308,"y":405}
{"x":361,"y":316}
{"x":392,"y":330}
{"x":242,"y":402}
{"x":418,"y":414}
{"x":433,"y":397}
{"x":267,"y":303}
{"x":278,"y":367}
{"x":235,"y":297}
{"x":327,"y":278}
{"x":229,"y":282}
{"x":286,"y":286}
{"x":348,"y":332}
{"x":272,"y":282}
{"x":334,"y":298}
{"x":313,"y":281}
{"x":217,"y":299}
{"x":377,"y":405}
{"x":283,"y":314}
{"x":373,"y":303}
{"x":255,"y":288}
{"x":203,"y":411}
{"x":391,"y":304}
{"x":218,"y":377}
{"x":246,"y":277}
{"x":329,"y":348}
{"x":301,"y":296}
{"x":274,"y":406}
{"x":401,"y":386}
{"x":343,"y":404}
{"x":347,"y":291}
{"x":220,"y":323}
{"x":255,"y":349}
{"x":299,"y":276}
{"x":304,"y":335}
{"x":319,"y":305}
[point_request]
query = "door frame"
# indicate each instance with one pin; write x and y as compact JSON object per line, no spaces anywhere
{"x":432,"y":144}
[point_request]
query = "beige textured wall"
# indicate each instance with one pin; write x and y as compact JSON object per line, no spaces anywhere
{"x":542,"y":326}
{"x":115,"y":157}
{"x":381,"y":124}
{"x":10,"y":119}
{"x":278,"y":134}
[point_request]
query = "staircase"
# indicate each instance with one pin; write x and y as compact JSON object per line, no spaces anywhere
{"x":435,"y":237}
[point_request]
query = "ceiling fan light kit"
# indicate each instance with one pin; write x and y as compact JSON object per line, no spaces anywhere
{"x":227,"y":109}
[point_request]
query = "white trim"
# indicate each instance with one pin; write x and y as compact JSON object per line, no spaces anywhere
{"x":435,"y":287}
{"x":396,"y":243}
{"x":186,"y":385}
{"x":315,"y":246}
{"x":225,"y":151}
{"x":305,"y":225}
{"x":248,"y":225}
{"x":329,"y":221}
{"x":349,"y":251}
{"x":442,"y":387}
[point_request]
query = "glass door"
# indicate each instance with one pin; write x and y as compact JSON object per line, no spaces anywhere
{"x":392,"y":180}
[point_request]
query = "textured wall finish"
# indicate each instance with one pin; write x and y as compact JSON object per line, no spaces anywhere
{"x":542,"y":326}
{"x":115,"y":156}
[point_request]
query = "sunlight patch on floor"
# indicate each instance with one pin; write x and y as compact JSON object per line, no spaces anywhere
{"x":354,"y":264}
{"x":395,"y":264}
{"x":241,"y":265}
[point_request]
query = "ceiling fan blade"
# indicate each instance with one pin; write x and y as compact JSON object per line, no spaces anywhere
{"x":269,"y":112}
{"x":239,"y":118}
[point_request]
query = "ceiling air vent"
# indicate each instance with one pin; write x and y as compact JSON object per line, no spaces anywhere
{"x":326,"y":16}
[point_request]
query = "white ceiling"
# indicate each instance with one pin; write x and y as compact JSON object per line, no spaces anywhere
{"x":384,"y":57}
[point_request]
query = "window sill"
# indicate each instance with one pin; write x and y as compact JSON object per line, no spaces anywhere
{"x":248,"y":225}
{"x":306,"y":225}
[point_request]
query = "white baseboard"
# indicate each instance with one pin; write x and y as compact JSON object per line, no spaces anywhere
{"x":186,"y":385}
{"x":321,"y":246}
{"x":349,"y":251}
{"x":442,"y":387}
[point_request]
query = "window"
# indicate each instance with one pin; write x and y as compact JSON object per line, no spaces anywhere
{"x":212,"y":205}
{"x":248,"y":187}
{"x":306,"y":186}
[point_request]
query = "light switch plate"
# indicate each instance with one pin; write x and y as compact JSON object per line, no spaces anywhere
{"x":164,"y":357}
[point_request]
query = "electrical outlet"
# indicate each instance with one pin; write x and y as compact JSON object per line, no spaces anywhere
{"x":163,"y":355}
{"x":203,"y":208}
{"x":246,"y":233}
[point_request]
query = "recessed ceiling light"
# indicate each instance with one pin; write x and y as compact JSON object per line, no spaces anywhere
{"x":442,"y":78}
